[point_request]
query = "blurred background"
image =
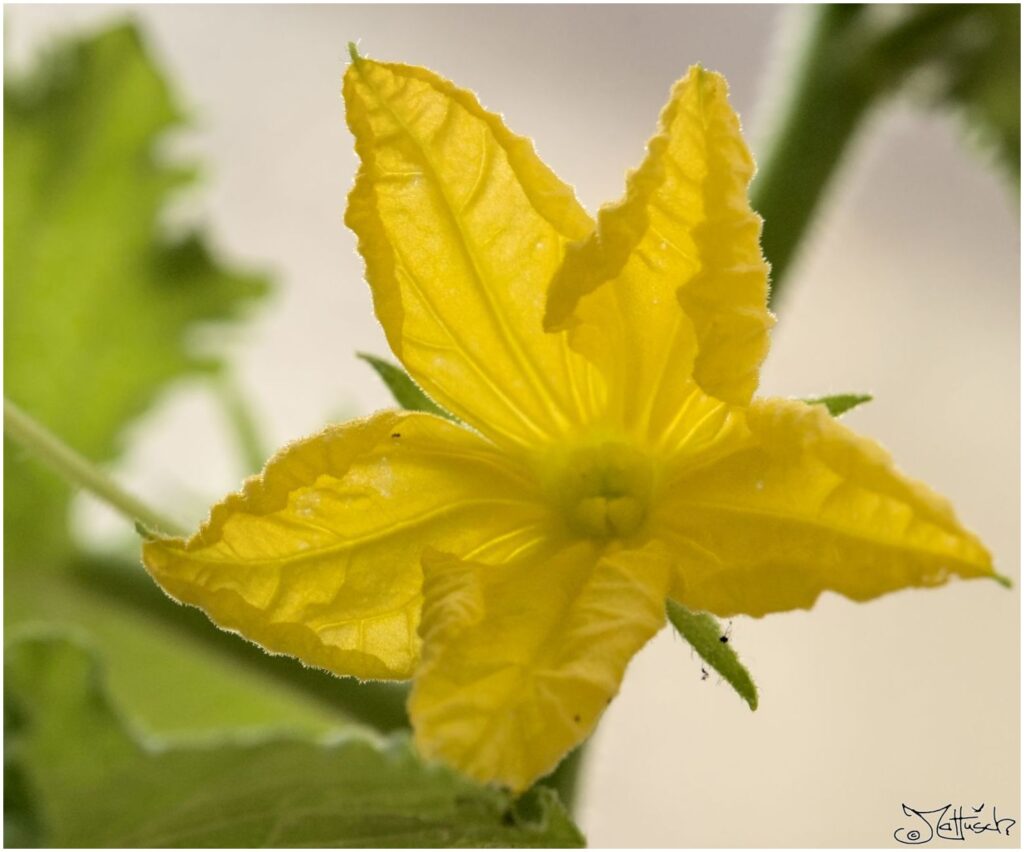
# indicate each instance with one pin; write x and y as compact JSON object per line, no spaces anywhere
{"x":907,"y":287}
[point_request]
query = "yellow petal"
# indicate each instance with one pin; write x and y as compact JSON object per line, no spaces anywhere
{"x":521,"y":659}
{"x":319,"y":557}
{"x":672,"y":282}
{"x":461,"y":227}
{"x":792,"y":503}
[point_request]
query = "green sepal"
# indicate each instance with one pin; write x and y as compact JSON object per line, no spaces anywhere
{"x":706,"y":636}
{"x":144,"y":532}
{"x":406,"y":392}
{"x":840,"y":403}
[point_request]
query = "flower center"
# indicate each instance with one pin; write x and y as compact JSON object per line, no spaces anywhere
{"x":605,"y":489}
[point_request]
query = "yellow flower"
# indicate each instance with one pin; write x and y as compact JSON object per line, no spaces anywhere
{"x":611,"y":458}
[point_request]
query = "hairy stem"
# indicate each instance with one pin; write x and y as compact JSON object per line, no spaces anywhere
{"x":850,"y":60}
{"x":825,"y":106}
{"x":49,"y":449}
{"x":377,"y":704}
{"x":242,"y":421}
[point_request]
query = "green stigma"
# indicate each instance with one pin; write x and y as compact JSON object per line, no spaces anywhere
{"x":604,"y":489}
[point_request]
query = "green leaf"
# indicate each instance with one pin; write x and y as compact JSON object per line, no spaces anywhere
{"x":405,"y":391}
{"x":840,"y":403}
{"x":167,"y":666}
{"x":101,"y":303}
{"x":102,"y":311}
{"x":705,"y":634}
{"x":169,"y":669}
{"x":100,"y":785}
{"x":22,"y":822}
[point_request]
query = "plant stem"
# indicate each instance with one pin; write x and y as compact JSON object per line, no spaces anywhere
{"x":381,"y":705}
{"x":849,"y":62}
{"x":121,"y":585}
{"x":239,"y":414}
{"x":48,"y":448}
{"x":818,"y":122}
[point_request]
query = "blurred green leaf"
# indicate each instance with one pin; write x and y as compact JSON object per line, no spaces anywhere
{"x":22,"y":825}
{"x":406,"y":392}
{"x":172,"y":672}
{"x":100,"y":301}
{"x":840,"y":403}
{"x":705,"y":634}
{"x":100,"y":785}
{"x":169,"y":667}
{"x":101,"y":308}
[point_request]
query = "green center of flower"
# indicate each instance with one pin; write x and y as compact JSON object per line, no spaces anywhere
{"x":605,"y":489}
